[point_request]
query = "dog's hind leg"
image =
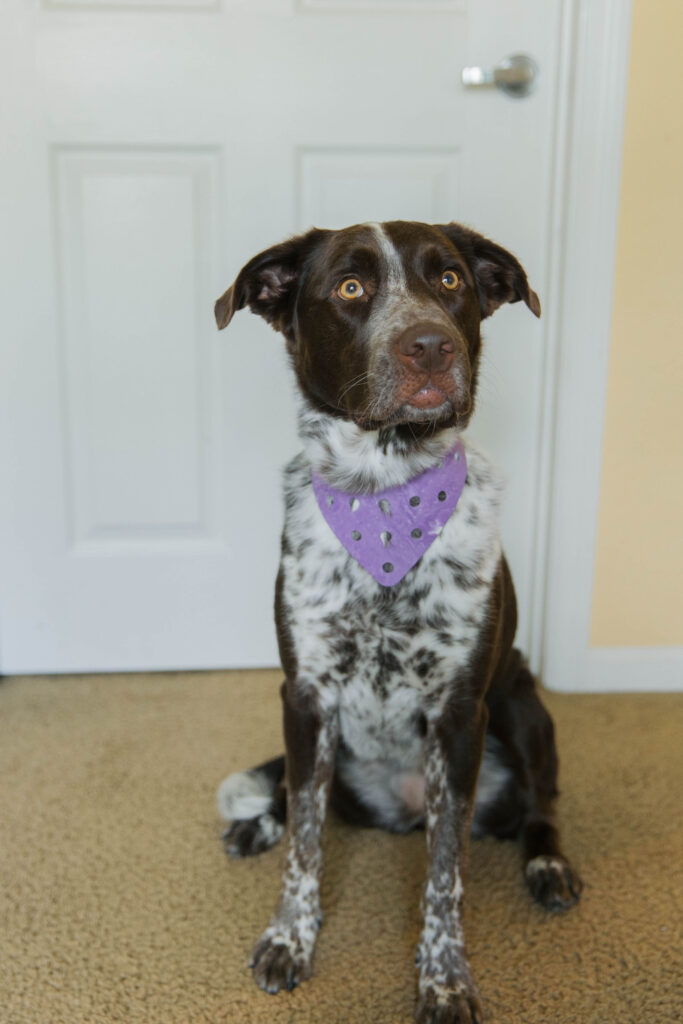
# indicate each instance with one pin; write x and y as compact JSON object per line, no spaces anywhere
{"x":520,"y":722}
{"x":254,"y":805}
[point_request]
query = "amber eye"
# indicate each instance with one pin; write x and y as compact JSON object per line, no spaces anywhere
{"x":450,"y":280}
{"x":351,"y":288}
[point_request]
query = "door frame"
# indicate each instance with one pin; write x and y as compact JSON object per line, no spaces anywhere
{"x":591,"y":105}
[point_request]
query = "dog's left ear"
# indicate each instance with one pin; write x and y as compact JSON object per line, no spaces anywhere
{"x":500,"y":277}
{"x":267,"y":282}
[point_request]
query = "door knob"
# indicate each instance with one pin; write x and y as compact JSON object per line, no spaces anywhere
{"x":516,"y":75}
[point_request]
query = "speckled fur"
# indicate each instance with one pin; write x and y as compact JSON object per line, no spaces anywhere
{"x":378,"y":661}
{"x":407,"y":704}
{"x":382,"y":657}
{"x":283,"y":955}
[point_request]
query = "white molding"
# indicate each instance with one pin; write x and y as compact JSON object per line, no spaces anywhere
{"x":381,"y":6}
{"x":633,"y":669}
{"x":551,"y":329}
{"x":586,"y":206}
{"x":186,"y":6}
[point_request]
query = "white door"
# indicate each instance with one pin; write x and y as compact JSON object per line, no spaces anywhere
{"x":150,"y":147}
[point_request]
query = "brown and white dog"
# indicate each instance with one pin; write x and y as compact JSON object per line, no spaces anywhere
{"x":405,"y":702}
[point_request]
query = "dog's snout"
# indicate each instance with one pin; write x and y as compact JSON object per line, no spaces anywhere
{"x":427,"y":349}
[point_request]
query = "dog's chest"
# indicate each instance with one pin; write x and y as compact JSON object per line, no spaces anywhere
{"x":385,"y":657}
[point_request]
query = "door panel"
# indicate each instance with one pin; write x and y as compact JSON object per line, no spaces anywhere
{"x":339,"y":187}
{"x":131,"y":242}
{"x":154,"y":149}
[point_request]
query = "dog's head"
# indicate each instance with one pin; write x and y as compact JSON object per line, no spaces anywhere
{"x":382,"y":321}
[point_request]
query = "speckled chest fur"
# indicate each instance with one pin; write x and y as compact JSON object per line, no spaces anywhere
{"x":385,"y":655}
{"x":383,"y":660}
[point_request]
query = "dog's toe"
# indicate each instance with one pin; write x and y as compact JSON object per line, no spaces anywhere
{"x":460,"y":1005}
{"x":553,"y":882}
{"x":249,"y":836}
{"x":278,"y":965}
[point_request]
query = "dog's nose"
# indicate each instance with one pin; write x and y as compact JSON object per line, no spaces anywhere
{"x":426,"y":349}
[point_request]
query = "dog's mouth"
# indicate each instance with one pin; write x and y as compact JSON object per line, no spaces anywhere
{"x":432,"y":402}
{"x":443,"y":413}
{"x":428,"y":398}
{"x":429,"y":405}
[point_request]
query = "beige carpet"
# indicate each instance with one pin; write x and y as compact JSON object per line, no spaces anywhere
{"x":118,"y":904}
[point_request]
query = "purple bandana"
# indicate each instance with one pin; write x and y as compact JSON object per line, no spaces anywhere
{"x":388,"y":532}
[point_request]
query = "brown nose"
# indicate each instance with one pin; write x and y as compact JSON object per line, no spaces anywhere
{"x":426,"y":349}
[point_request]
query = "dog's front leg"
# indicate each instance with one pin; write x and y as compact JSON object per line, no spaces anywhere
{"x":455,"y":740}
{"x":283,"y":955}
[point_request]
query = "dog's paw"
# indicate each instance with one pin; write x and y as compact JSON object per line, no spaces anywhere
{"x":280,"y":961}
{"x":553,"y":882}
{"x":458,"y":1003}
{"x":249,"y":836}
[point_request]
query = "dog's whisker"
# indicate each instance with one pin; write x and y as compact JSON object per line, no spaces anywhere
{"x":356,"y":382}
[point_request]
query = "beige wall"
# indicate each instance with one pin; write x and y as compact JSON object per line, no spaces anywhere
{"x":638,"y":591}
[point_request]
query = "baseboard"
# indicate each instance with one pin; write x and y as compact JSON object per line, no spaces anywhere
{"x":624,"y":670}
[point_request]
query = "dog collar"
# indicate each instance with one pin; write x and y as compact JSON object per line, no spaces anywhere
{"x":388,"y":532}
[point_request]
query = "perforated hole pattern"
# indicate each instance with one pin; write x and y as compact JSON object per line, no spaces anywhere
{"x":418,"y":511}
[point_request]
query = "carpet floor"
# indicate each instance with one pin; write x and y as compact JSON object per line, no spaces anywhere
{"x":117,"y":902}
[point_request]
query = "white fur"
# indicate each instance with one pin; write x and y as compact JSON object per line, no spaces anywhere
{"x":493,"y":775}
{"x":396,"y":276}
{"x":267,"y":832}
{"x":544,"y":864}
{"x":243,"y":795}
{"x":352,"y":460}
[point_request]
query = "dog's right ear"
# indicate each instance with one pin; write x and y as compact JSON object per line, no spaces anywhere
{"x":267,"y":282}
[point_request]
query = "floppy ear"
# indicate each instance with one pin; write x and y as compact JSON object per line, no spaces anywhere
{"x":500,"y":277}
{"x":267,"y":282}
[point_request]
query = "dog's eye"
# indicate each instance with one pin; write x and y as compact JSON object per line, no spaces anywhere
{"x":450,"y":280}
{"x":351,"y":288}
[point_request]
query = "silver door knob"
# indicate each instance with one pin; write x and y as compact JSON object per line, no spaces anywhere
{"x":516,"y":75}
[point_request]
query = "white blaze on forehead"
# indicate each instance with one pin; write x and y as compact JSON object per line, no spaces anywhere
{"x":396,"y":278}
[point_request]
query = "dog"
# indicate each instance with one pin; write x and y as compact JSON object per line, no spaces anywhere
{"x":405,"y":701}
